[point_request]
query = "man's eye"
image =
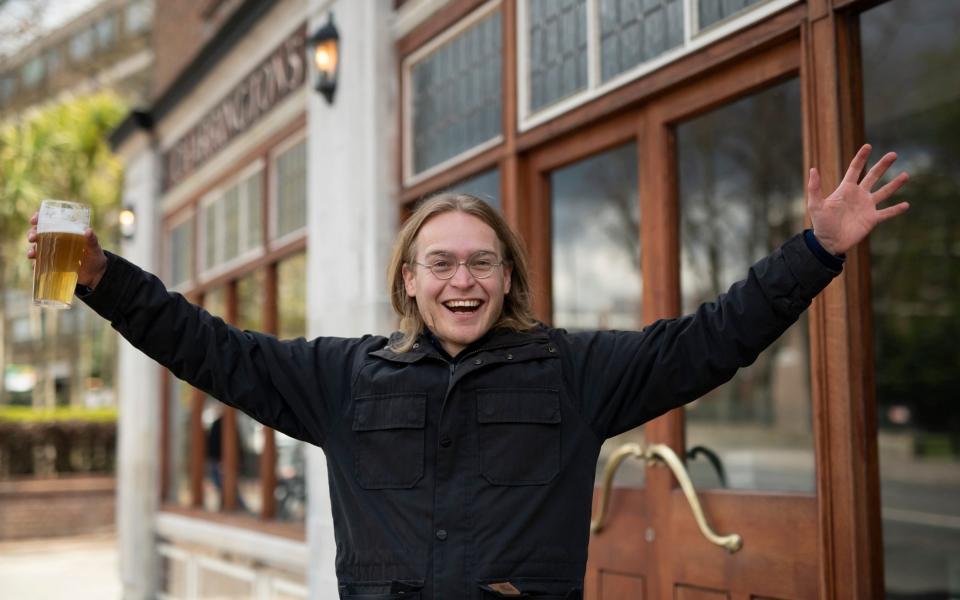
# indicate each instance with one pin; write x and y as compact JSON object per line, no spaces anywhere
{"x":483,"y":263}
{"x":440,"y":264}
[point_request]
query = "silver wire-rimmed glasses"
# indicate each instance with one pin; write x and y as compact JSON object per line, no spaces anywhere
{"x":445,"y":266}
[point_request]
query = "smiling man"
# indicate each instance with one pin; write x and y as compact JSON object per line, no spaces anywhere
{"x":461,"y":450}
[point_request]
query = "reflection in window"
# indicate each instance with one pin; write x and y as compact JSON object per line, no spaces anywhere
{"x":81,"y":45}
{"x":8,"y":87}
{"x":632,"y":32}
{"x":485,"y":185}
{"x":250,"y":294}
{"x":53,"y":59}
{"x":33,"y":72}
{"x":213,"y":466}
{"x":596,"y":242}
{"x":179,"y":403}
{"x":456,"y":94}
{"x":106,"y":32}
{"x":291,"y":490}
{"x":292,"y":297}
{"x":139,"y":15}
{"x":713,"y":11}
{"x":181,"y":253}
{"x":558,"y":49}
{"x":215,"y":302}
{"x":911,"y":79}
{"x":741,"y":196}
{"x":291,"y":202}
{"x":232,"y":221}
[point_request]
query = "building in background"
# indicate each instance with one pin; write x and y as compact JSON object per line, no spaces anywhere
{"x":648,"y":152}
{"x":108,"y":46}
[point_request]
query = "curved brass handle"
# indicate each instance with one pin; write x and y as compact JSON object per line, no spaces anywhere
{"x":666,"y":455}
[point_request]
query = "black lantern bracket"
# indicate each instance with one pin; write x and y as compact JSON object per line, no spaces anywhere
{"x":325,"y":44}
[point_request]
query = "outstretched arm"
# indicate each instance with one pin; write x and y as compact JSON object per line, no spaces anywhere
{"x":849,"y":214}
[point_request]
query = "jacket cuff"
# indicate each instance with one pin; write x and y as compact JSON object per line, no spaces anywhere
{"x":108,"y":295}
{"x":834,"y":261}
{"x":810,"y":272}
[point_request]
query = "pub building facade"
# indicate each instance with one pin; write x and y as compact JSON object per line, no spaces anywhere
{"x":648,"y":151}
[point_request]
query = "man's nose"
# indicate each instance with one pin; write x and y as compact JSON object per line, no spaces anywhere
{"x":463,"y":277}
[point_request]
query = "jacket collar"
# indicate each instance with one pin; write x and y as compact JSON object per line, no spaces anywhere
{"x":428,"y":346}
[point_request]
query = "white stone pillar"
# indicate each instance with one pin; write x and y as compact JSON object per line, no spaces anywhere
{"x":352,"y":216}
{"x":138,"y":390}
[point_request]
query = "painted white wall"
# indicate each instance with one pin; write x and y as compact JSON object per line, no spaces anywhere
{"x":138,"y":391}
{"x":352,"y":217}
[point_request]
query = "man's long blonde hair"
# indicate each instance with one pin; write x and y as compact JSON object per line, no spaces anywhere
{"x":517,"y":313}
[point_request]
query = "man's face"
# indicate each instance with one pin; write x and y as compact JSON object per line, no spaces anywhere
{"x":462,"y":309}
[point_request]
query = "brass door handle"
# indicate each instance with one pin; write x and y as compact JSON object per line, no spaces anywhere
{"x":666,"y":455}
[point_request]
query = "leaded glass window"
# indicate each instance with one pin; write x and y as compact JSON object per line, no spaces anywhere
{"x":712,"y":11}
{"x":457,"y":94}
{"x":635,"y":31}
{"x":291,"y":204}
{"x":231,"y":221}
{"x":558,"y":49}
{"x":181,"y":253}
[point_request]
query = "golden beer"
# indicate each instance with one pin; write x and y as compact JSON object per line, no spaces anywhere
{"x":60,"y":244}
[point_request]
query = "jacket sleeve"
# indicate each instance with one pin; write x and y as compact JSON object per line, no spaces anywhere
{"x":624,"y":379}
{"x":293,"y":386}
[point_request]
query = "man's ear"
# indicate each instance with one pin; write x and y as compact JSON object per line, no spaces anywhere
{"x":408,"y":281}
{"x":507,"y":272}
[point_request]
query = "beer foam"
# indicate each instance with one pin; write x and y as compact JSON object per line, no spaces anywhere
{"x":49,"y":225}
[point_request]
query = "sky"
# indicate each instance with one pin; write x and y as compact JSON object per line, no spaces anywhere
{"x":54,"y":13}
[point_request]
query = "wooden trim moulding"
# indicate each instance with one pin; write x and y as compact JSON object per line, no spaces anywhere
{"x":435,"y":25}
{"x":293,"y":531}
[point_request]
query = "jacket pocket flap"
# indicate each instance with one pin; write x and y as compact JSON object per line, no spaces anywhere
{"x":393,"y":411}
{"x":518,"y":406}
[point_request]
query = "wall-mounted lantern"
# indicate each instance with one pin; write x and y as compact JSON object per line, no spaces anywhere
{"x":326,"y":58}
{"x":128,"y":222}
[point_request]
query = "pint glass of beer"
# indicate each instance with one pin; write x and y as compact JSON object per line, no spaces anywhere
{"x":60,"y":245}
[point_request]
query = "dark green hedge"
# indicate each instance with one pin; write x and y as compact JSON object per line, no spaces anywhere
{"x":50,"y":443}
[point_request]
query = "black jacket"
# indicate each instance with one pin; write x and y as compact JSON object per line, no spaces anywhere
{"x":450,"y":477}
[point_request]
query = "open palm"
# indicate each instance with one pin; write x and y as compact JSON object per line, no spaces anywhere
{"x":849,"y":214}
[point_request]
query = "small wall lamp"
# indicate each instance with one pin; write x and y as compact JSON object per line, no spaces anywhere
{"x":128,"y":222}
{"x":326,"y":58}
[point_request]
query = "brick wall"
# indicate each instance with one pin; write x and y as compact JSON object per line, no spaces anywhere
{"x":31,"y":508}
{"x":180,"y":29}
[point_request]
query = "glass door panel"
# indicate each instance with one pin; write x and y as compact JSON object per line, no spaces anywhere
{"x":911,"y":79}
{"x":741,"y":189}
{"x":595,"y":219}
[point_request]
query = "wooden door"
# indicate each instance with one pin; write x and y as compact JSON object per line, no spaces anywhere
{"x":716,"y":181}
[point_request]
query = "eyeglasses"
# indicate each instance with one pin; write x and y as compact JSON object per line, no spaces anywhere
{"x":480,"y":265}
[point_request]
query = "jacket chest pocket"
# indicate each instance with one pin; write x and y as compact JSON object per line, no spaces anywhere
{"x":519,"y":435}
{"x":389,"y":440}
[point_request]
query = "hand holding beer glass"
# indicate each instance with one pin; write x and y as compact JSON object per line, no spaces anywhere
{"x":60,"y":244}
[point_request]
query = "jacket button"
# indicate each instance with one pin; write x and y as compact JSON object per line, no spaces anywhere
{"x":416,"y":345}
{"x":445,"y":441}
{"x":551,"y":349}
{"x":479,"y":361}
{"x":441,"y":534}
{"x":509,"y":356}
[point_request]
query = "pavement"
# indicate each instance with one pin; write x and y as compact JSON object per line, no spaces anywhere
{"x":79,"y":568}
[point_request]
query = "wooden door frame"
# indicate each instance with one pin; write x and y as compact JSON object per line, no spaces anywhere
{"x":821,"y":50}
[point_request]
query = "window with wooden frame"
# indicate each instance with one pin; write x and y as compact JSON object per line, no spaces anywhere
{"x":572,"y":51}
{"x":453,"y":95}
{"x":216,"y":458}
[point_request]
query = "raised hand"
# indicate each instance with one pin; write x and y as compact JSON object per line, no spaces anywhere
{"x":94,"y":263}
{"x":850,"y":213}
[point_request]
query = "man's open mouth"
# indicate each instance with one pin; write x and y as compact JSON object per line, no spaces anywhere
{"x":463,"y":306}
